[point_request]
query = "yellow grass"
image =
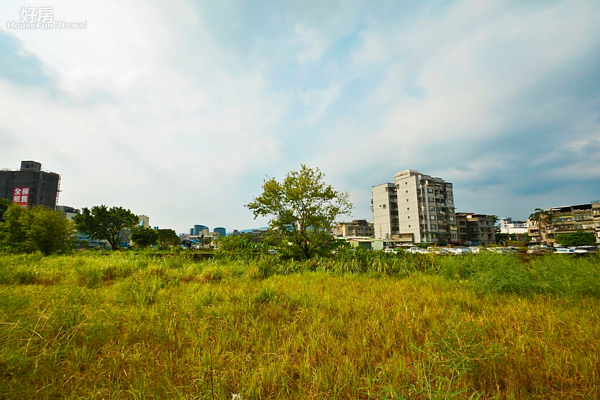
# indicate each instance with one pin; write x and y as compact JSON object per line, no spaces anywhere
{"x":124,"y":326}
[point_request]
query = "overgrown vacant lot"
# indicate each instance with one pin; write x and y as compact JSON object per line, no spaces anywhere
{"x":134,"y":326}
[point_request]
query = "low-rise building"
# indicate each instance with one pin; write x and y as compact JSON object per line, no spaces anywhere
{"x":476,"y":229}
{"x":596,"y":217}
{"x":569,"y":219}
{"x":566,"y":219}
{"x":68,"y":212}
{"x":358,"y":227}
{"x":508,"y":226}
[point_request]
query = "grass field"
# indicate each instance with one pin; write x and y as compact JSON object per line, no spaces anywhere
{"x":360,"y":327}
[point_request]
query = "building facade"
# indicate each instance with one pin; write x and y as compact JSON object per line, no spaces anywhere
{"x":596,"y":216}
{"x":68,"y":212}
{"x":569,"y":219}
{"x":475,"y":229}
{"x":198,"y":229}
{"x":384,"y":204}
{"x":566,"y":219}
{"x":508,"y":226}
{"x":416,"y":208}
{"x":42,"y":187}
{"x":144,"y":221}
{"x":222,"y":232}
{"x":358,"y":227}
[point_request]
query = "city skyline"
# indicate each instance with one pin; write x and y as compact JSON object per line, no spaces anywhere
{"x":180,"y":112}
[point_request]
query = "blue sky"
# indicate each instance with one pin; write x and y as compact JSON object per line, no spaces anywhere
{"x":180,"y":111}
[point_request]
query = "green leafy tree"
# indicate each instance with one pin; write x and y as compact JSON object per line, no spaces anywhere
{"x":3,"y":207}
{"x":576,"y":239}
{"x":303,"y":209}
{"x":105,"y":223}
{"x":503,"y":238}
{"x":49,"y":231}
{"x":168,"y":237}
{"x":541,"y":218}
{"x":233,"y":243}
{"x":143,"y":236}
{"x":38,"y":228}
{"x":13,"y":231}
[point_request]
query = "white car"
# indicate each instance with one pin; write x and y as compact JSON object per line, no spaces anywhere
{"x":564,"y":250}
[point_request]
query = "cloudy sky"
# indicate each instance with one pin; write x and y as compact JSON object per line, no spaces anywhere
{"x":179,"y":110}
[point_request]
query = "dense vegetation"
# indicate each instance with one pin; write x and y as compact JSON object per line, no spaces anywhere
{"x":35,"y":229}
{"x":371,"y":326}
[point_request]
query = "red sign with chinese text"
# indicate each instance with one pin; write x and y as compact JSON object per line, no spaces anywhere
{"x":21,"y":196}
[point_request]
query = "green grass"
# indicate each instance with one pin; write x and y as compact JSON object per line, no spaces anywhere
{"x":359,"y":327}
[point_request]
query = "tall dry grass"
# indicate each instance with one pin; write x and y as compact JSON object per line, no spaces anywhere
{"x":359,"y":327}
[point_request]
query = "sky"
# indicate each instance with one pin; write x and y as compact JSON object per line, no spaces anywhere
{"x":180,"y":110}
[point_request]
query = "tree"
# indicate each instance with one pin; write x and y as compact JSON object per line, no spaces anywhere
{"x":502,"y":238}
{"x":542,"y":219}
{"x":143,"y":236}
{"x":38,"y":228}
{"x":3,"y":207}
{"x":168,"y":237}
{"x":580,"y":238}
{"x":105,"y":223}
{"x":13,"y":231}
{"x":303,"y":209}
{"x":49,"y":231}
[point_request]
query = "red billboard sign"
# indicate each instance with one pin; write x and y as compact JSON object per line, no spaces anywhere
{"x":21,"y":196}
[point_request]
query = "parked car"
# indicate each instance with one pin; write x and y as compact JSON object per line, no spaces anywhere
{"x":564,"y":250}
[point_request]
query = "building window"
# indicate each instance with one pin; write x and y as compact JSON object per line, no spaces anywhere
{"x":433,"y":226}
{"x":432,"y":217}
{"x":451,"y":218}
{"x":431,"y":208}
{"x":409,"y":217}
{"x":406,"y":183}
{"x":407,"y":208}
{"x":407,"y":200}
{"x":429,"y":190}
{"x":409,"y":226}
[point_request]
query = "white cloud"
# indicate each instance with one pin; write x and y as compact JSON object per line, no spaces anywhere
{"x":155,"y":113}
{"x":312,"y":42}
{"x":320,"y":100}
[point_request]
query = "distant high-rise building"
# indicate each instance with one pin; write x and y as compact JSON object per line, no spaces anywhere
{"x":197,"y":230}
{"x":30,"y":185}
{"x":144,"y":221}
{"x":415,"y":208}
{"x":235,"y":232}
{"x":221,"y":231}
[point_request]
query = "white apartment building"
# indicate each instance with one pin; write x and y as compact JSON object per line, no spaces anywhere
{"x":415,"y":208}
{"x":507,"y":225}
{"x":384,"y":204}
